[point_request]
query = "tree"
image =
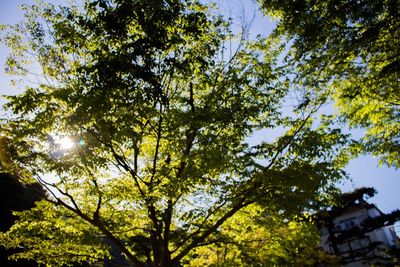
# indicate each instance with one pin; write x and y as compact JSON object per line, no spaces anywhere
{"x":254,"y":237}
{"x":15,"y":196}
{"x":160,"y":112}
{"x":349,"y":48}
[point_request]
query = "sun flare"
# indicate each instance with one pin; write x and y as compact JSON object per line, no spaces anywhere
{"x":65,"y":143}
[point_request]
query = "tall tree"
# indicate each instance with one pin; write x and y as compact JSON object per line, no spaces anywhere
{"x":159,"y":111}
{"x":349,"y":48}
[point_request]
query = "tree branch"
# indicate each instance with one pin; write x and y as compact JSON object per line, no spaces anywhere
{"x":211,"y":230}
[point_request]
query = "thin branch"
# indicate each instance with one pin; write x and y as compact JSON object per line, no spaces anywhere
{"x":292,"y":137}
{"x":200,"y":227}
{"x":212,"y":229}
{"x":96,"y":214}
{"x":121,"y":161}
{"x":159,"y":135}
{"x":105,"y":231}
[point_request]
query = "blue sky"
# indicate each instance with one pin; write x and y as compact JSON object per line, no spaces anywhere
{"x":363,"y":170}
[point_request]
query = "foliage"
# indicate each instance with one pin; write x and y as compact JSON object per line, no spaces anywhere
{"x":161,"y":111}
{"x":258,"y":237}
{"x":349,"y":48}
{"x":15,"y":196}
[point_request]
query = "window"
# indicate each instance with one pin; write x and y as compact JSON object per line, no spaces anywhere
{"x":365,"y":242}
{"x":343,"y":247}
{"x":354,"y":244}
{"x":347,"y":224}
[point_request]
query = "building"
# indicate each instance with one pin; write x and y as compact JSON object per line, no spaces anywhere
{"x":360,"y":234}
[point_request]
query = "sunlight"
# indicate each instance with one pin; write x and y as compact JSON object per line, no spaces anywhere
{"x":65,"y":143}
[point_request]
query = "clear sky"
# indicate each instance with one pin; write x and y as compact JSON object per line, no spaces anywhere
{"x":363,"y":170}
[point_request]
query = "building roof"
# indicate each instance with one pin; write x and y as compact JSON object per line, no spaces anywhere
{"x":358,"y":207}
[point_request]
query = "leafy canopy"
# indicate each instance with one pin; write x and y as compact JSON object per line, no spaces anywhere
{"x":350,"y":49}
{"x":254,"y":237}
{"x":161,"y":100}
